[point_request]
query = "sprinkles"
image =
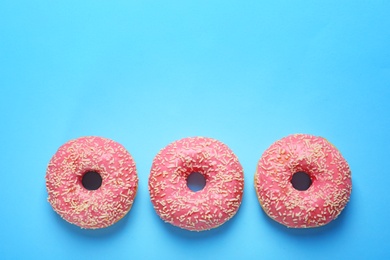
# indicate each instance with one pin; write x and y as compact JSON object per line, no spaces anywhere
{"x":209,"y":208}
{"x":323,"y":201}
{"x":85,"y":208}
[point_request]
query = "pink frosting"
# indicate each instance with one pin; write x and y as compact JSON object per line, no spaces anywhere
{"x":219,"y":200}
{"x":91,"y":208}
{"x":326,"y":197}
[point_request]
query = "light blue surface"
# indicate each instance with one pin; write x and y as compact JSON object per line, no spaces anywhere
{"x":146,"y":73}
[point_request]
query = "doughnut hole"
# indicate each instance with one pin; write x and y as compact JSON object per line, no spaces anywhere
{"x":91,"y":180}
{"x":301,"y":181}
{"x":196,"y":181}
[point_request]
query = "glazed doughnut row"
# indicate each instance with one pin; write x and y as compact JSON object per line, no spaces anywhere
{"x":301,"y":181}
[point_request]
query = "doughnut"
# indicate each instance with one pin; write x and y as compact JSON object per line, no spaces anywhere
{"x":208,"y":208}
{"x":91,"y":182}
{"x":328,"y":184}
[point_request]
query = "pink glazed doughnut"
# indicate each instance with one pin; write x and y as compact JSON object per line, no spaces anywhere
{"x":330,"y":178}
{"x":67,"y":175}
{"x":209,"y":208}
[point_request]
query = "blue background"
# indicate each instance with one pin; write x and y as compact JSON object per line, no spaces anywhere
{"x":146,"y":73}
